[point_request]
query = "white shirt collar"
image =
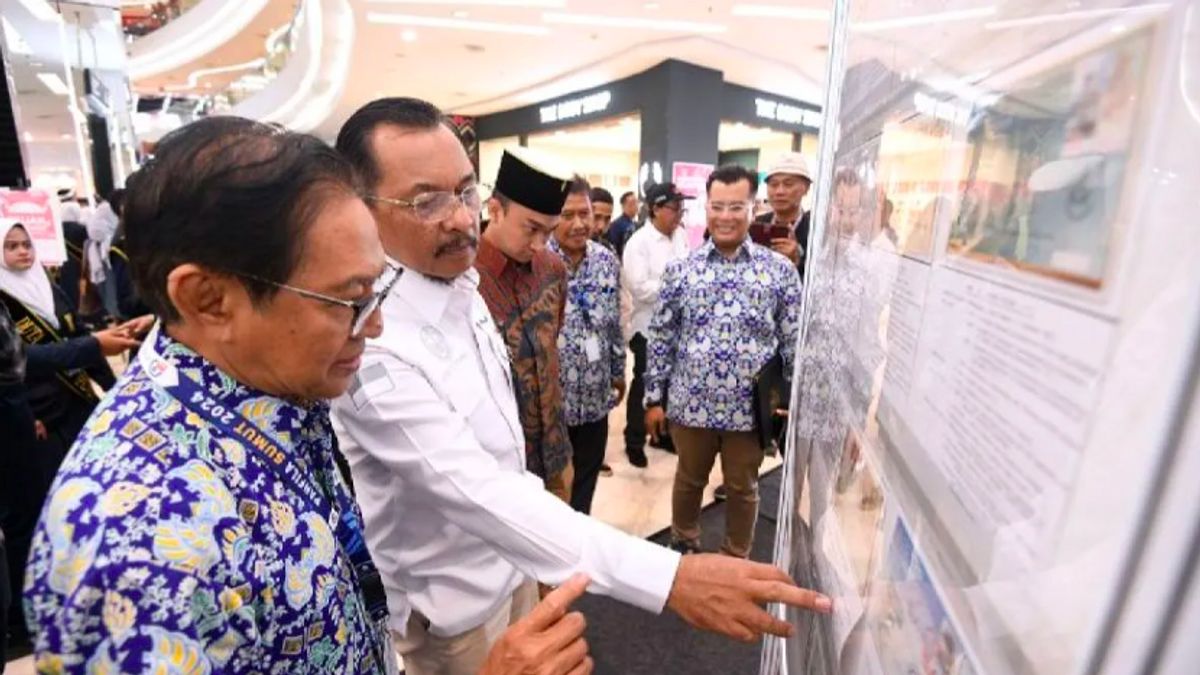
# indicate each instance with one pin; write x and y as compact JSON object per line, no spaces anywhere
{"x":430,"y":297}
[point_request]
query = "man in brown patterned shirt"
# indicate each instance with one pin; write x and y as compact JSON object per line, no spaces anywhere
{"x":525,"y":287}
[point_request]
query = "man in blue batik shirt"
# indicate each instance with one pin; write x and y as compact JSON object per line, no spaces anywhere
{"x":199,"y":523}
{"x":723,"y":313}
{"x":590,"y":346}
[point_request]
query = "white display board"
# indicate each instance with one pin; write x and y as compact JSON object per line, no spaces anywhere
{"x":998,"y":351}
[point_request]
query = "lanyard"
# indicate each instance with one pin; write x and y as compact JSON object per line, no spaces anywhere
{"x":347,"y":528}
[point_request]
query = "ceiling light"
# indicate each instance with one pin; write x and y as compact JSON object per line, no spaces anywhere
{"x":41,"y":10}
{"x":54,"y":83}
{"x":66,"y":137}
{"x":28,"y":137}
{"x":782,"y":12}
{"x":1039,"y":19}
{"x":459,"y":24}
{"x":923,"y":19}
{"x":530,"y":4}
{"x":408,"y":35}
{"x":461,"y":14}
{"x":633,"y":22}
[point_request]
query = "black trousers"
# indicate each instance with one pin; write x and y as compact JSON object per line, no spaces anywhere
{"x":587,"y":442}
{"x":635,"y":413}
{"x":23,"y":485}
{"x":4,"y":602}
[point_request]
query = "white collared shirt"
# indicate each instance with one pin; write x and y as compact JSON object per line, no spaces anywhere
{"x":454,"y":522}
{"x":646,"y":256}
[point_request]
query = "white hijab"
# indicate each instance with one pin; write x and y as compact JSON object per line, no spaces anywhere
{"x":101,"y":229}
{"x":32,"y":286}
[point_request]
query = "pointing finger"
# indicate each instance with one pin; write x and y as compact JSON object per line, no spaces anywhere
{"x":555,"y":605}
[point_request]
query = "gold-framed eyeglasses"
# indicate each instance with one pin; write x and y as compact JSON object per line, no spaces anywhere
{"x":360,"y":310}
{"x":436,"y":206}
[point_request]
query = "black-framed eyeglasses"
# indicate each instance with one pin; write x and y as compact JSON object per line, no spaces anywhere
{"x":433,"y":207}
{"x":361,"y":310}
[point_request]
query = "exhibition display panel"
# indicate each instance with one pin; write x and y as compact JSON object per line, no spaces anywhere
{"x":988,"y":461}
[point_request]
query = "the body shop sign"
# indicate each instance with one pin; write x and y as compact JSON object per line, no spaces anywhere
{"x":575,"y":107}
{"x":35,"y":210}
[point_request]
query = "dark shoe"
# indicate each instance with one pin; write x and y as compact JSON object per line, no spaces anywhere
{"x":664,"y":443}
{"x":637,"y":457}
{"x":605,"y":470}
{"x":683,"y":547}
{"x":720,"y":494}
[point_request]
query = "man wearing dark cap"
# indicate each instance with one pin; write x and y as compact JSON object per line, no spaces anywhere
{"x":646,"y":256}
{"x":525,"y":288}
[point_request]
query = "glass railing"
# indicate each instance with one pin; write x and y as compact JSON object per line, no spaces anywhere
{"x":141,"y":19}
{"x":279,"y":47}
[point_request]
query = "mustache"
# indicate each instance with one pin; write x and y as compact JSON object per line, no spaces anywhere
{"x":457,"y":244}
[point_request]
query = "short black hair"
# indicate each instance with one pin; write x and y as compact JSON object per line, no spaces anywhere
{"x":580,"y":186}
{"x":231,"y":195}
{"x":354,"y":138}
{"x":730,"y":174}
{"x":625,"y":196}
{"x":601,"y":196}
{"x":116,"y":200}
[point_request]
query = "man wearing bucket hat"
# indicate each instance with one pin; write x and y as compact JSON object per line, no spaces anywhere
{"x":788,"y":181}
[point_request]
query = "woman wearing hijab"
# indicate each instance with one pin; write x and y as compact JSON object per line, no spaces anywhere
{"x":63,"y":359}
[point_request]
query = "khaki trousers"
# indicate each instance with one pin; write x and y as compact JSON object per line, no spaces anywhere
{"x":559,"y":484}
{"x":428,"y":654}
{"x":741,"y":458}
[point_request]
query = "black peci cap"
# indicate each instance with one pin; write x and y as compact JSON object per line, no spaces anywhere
{"x":529,"y":180}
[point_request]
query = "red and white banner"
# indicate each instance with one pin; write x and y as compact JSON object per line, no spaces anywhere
{"x":35,"y":210}
{"x":690,"y":178}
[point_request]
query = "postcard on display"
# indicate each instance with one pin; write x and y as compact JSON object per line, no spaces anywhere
{"x":1047,"y":165}
{"x":907,"y":616}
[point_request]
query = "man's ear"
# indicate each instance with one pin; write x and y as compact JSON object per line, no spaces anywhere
{"x":204,"y":297}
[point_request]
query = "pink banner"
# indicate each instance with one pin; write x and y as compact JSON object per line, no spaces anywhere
{"x":690,"y":178}
{"x":35,"y":210}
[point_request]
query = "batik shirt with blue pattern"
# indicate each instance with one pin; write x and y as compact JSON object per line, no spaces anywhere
{"x":593,"y":311}
{"x":168,"y":547}
{"x":717,"y":323}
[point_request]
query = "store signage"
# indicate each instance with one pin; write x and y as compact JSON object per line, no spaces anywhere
{"x":788,"y":114}
{"x":943,"y":110}
{"x":575,"y":107}
{"x":35,"y":210}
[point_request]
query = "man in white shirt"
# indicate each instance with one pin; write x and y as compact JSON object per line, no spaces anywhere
{"x":458,"y":527}
{"x":647,"y":253}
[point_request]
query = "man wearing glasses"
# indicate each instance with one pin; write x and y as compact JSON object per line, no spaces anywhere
{"x":459,"y":526}
{"x":647,"y":254}
{"x":199,"y":522}
{"x":723,"y":314}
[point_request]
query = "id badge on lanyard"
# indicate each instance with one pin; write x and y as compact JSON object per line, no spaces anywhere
{"x":233,"y":424}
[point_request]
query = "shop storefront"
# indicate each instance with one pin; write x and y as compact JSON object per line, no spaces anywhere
{"x":675,"y":121}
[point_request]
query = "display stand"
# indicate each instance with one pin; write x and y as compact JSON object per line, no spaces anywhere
{"x":992,"y":461}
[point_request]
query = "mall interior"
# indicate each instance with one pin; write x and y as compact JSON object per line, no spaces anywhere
{"x":820,"y":336}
